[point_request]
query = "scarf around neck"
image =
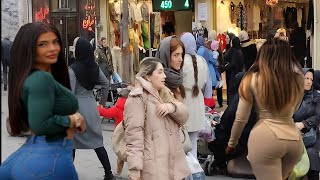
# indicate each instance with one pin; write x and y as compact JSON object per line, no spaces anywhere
{"x":174,"y":78}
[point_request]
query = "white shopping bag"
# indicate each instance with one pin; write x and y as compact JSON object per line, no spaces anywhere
{"x":196,"y":170}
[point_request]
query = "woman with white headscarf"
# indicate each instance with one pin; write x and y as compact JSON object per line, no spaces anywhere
{"x":195,"y":77}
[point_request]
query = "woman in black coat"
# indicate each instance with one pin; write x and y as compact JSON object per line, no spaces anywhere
{"x":234,"y":63}
{"x":307,"y":117}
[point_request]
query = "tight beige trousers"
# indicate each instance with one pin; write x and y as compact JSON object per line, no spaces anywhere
{"x":272,"y":158}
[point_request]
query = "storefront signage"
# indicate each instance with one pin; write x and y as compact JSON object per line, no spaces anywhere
{"x":170,"y":5}
{"x":41,"y":14}
{"x":88,"y":23}
{"x":202,"y":11}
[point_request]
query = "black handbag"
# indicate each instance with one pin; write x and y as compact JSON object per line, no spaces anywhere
{"x":310,"y":137}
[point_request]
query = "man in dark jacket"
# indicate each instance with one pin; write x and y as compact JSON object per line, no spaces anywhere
{"x":5,"y":59}
{"x":104,"y":58}
{"x":249,"y":49}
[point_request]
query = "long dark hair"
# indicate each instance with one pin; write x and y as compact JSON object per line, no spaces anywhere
{"x":280,"y":76}
{"x":23,"y":54}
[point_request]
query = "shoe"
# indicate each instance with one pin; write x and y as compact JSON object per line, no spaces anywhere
{"x":109,"y":177}
{"x":5,"y":87}
{"x":221,"y":106}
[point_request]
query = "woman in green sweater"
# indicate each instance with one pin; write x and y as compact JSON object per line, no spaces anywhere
{"x":40,"y":100}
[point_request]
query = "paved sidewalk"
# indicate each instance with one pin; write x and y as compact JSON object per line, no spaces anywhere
{"x":86,"y":161}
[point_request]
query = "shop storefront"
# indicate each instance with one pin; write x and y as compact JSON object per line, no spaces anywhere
{"x":261,"y":19}
{"x":73,"y":18}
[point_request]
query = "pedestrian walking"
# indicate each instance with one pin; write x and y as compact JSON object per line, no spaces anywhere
{"x":274,"y":84}
{"x":195,"y":77}
{"x":152,"y":117}
{"x":42,"y":102}
{"x":85,"y":74}
{"x":5,"y":59}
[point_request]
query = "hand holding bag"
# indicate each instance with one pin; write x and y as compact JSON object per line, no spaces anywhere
{"x":185,"y":139}
{"x":310,"y":137}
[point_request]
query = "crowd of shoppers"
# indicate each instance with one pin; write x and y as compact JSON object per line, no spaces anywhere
{"x":168,"y":94}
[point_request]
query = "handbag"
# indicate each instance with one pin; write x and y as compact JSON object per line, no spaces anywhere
{"x":118,"y":138}
{"x":310,"y":137}
{"x":302,"y":167}
{"x":185,"y":139}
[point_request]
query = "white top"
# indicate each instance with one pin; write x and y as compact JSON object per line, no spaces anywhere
{"x":136,"y":12}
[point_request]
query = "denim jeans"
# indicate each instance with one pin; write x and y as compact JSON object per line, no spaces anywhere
{"x":39,"y":159}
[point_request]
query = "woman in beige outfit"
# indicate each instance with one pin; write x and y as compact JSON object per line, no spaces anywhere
{"x":275,"y":85}
{"x":154,"y":148}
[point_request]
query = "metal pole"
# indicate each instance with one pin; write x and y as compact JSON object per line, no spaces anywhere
{"x":125,"y":46}
{"x":149,"y":33}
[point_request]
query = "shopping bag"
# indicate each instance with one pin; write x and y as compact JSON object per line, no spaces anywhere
{"x":116,"y":78}
{"x":196,"y":170}
{"x":119,"y":143}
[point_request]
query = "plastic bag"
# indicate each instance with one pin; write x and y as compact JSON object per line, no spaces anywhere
{"x":207,"y":132}
{"x":196,"y":170}
{"x":116,"y":78}
{"x":301,"y":168}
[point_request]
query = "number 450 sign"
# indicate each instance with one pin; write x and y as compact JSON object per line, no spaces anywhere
{"x":167,"y":4}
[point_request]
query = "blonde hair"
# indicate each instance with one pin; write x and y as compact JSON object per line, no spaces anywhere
{"x":147,"y":66}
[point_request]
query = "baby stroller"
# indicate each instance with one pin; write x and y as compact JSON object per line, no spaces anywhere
{"x":207,"y":135}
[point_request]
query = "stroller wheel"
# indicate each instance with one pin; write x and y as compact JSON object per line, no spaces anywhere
{"x":211,"y":168}
{"x":206,"y":167}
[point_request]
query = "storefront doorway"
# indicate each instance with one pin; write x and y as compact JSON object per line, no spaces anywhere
{"x":67,"y":25}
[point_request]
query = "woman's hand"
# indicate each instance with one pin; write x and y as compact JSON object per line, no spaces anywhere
{"x":78,"y":123}
{"x":229,"y":150}
{"x":299,"y":125}
{"x":164,"y":109}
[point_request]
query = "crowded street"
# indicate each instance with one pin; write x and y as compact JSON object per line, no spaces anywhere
{"x":160,"y":89}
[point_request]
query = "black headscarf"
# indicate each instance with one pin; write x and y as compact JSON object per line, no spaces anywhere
{"x":85,"y":68}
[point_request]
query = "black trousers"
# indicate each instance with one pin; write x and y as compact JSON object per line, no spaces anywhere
{"x":103,"y":158}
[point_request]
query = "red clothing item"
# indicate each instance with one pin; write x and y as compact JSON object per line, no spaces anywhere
{"x":222,"y":40}
{"x":114,"y":112}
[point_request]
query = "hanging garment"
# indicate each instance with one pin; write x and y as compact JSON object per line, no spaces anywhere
{"x":222,"y":41}
{"x":278,"y":17}
{"x":299,"y":17}
{"x":113,"y":13}
{"x":250,"y":16}
{"x":145,"y":34}
{"x":145,"y":11}
{"x":310,"y":22}
{"x":233,"y":13}
{"x":242,"y":17}
{"x":224,"y":21}
{"x":117,"y":8}
{"x":256,"y":18}
{"x":136,"y":12}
